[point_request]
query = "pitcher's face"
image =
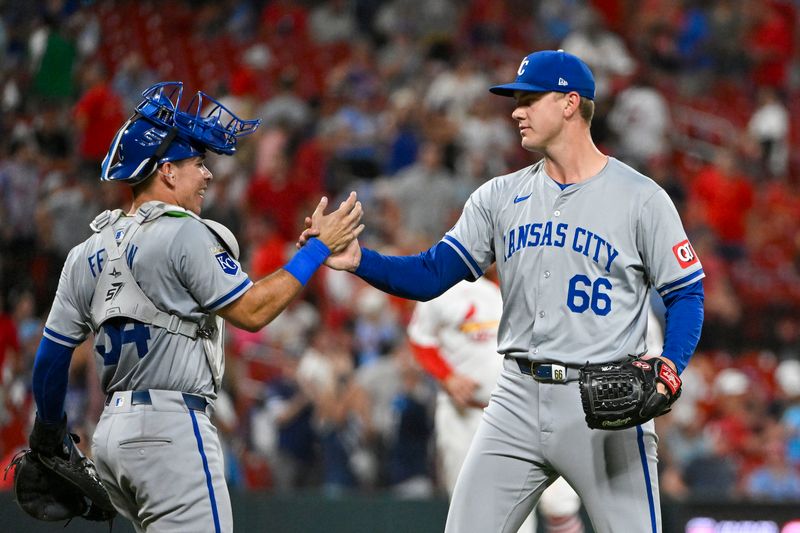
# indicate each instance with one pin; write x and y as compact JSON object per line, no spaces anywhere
{"x":540,"y":118}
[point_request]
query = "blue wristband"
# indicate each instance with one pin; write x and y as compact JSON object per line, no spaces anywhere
{"x":307,"y":260}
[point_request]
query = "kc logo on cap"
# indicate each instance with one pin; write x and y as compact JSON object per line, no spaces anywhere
{"x":550,"y":70}
{"x":521,"y":69}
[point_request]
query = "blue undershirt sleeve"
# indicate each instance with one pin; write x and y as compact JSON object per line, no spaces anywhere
{"x":684,"y":321}
{"x":416,"y":277}
{"x":50,"y":375}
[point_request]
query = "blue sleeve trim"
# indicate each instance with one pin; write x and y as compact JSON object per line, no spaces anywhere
{"x":50,"y":375}
{"x":465,"y":256}
{"x":231,"y":296}
{"x":416,"y":277}
{"x":684,"y":322}
{"x":694,"y":276}
{"x":61,"y":339}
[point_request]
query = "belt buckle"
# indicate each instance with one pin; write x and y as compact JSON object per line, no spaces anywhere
{"x":174,"y":324}
{"x":551,"y":372}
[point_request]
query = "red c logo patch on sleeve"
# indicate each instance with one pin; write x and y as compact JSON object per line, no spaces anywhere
{"x":684,"y":253}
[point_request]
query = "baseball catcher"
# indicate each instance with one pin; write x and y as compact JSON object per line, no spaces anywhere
{"x":55,"y":481}
{"x":625,"y":394}
{"x":154,"y":285}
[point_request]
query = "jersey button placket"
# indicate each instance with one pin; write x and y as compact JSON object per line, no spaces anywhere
{"x":545,"y":407}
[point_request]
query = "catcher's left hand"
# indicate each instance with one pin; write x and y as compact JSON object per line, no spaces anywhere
{"x":59,"y":486}
{"x":625,"y":394}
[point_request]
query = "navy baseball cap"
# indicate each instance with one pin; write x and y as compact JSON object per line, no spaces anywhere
{"x":550,"y":70}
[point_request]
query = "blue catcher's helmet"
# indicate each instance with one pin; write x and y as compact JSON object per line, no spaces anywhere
{"x":160,"y":131}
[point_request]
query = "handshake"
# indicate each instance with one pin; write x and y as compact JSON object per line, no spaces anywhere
{"x":338,"y":231}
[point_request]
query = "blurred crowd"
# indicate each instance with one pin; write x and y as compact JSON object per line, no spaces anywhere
{"x":389,"y":98}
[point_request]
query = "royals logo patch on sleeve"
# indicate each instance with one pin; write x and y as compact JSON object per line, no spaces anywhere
{"x":684,"y":253}
{"x":228,"y":263}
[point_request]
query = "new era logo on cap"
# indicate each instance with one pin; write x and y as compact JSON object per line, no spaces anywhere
{"x":550,"y":70}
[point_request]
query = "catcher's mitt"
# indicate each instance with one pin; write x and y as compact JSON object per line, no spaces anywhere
{"x":624,"y":394}
{"x":54,"y":488}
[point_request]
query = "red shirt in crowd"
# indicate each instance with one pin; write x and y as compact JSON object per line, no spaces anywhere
{"x":771,"y":44}
{"x":725,"y":199}
{"x":9,"y":342}
{"x":98,"y":114}
{"x":281,"y":199}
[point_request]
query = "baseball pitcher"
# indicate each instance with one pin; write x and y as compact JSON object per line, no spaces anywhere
{"x":579,"y":238}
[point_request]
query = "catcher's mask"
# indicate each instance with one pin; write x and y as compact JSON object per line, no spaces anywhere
{"x":160,"y":131}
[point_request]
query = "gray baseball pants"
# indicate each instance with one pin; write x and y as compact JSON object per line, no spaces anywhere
{"x":530,"y":433}
{"x":162,"y":465}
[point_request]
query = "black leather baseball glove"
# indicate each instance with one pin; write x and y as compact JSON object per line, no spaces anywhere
{"x":624,"y":394}
{"x":55,"y":481}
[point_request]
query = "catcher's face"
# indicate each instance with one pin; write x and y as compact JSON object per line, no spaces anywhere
{"x":191,"y":182}
{"x":539,"y":117}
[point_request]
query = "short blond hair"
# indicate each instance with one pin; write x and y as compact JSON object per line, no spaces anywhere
{"x":586,"y":109}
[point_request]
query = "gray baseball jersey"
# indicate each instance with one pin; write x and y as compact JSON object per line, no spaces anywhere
{"x":185,"y":270}
{"x":575,"y":266}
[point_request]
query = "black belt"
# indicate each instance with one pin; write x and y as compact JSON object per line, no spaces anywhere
{"x":548,"y":372}
{"x":194,"y":402}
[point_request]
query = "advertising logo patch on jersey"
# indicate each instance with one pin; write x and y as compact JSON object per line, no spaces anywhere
{"x":228,"y":264}
{"x":684,"y":253}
